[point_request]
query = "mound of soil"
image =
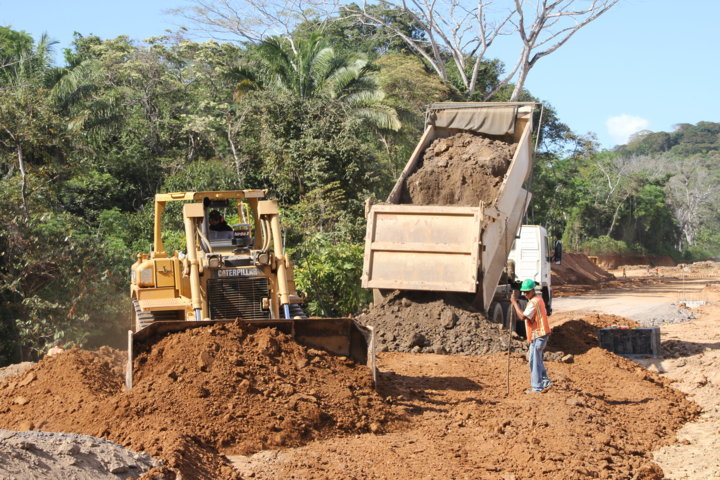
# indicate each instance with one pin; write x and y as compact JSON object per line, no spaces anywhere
{"x":601,"y":419}
{"x":578,"y":269}
{"x":463,"y":169}
{"x":431,"y":322}
{"x":579,"y":333}
{"x":199,"y":394}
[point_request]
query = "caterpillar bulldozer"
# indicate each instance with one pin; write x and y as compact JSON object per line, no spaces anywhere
{"x":228,"y":273}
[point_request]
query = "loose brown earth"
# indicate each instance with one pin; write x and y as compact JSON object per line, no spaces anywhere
{"x":291,"y":412}
{"x":462,"y":170}
{"x":605,"y":417}
{"x":601,"y":419}
{"x":199,"y":394}
{"x":577,"y":269}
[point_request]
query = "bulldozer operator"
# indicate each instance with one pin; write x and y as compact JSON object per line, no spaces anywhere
{"x":218,"y":223}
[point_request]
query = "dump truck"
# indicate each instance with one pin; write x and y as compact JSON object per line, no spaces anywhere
{"x":227,"y":273}
{"x":464,"y":249}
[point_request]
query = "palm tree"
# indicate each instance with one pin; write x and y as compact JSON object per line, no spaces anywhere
{"x":21,"y":61}
{"x":25,"y":119}
{"x":309,"y":68}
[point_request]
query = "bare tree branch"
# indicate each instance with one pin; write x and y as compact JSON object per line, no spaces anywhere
{"x":461,"y":31}
{"x":250,"y":20}
{"x":541,"y":31}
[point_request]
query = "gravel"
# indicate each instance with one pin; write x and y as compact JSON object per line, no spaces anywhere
{"x":664,"y":314}
{"x":44,"y":455}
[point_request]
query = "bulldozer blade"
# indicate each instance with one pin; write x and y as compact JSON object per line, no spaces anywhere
{"x":338,"y":336}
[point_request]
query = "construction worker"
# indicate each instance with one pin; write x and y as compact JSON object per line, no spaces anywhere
{"x":537,"y":328}
{"x":218,"y":223}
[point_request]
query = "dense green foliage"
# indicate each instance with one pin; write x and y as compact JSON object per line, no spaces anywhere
{"x":685,"y":140}
{"x":323,"y":123}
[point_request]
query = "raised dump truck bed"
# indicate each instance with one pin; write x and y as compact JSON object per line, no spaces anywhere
{"x":452,"y":248}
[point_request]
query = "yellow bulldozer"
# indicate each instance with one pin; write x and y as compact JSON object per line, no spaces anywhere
{"x":226,"y":273}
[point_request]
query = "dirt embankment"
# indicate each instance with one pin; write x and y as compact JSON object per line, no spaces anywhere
{"x":578,"y":269}
{"x":614,"y":261}
{"x":463,"y":170}
{"x":431,"y":322}
{"x":199,"y":394}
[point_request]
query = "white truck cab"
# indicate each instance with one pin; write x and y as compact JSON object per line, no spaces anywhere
{"x":531,"y":255}
{"x":532,"y":258}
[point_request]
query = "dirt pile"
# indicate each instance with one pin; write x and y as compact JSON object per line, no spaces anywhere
{"x":431,"y":322}
{"x":198,"y":394}
{"x":601,"y":419}
{"x":33,"y":455}
{"x":577,"y":333}
{"x":463,"y":169}
{"x":577,"y":268}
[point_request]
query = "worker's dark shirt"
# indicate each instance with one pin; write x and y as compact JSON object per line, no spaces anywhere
{"x":221,"y":227}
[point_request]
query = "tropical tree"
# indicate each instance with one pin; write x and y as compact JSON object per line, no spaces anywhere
{"x":694,"y":194}
{"x":27,"y":125}
{"x":308,"y":67}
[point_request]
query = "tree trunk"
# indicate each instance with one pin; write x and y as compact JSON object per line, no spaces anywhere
{"x":522,"y":76}
{"x":615,"y":215}
{"x":23,"y":177}
{"x":236,"y":160}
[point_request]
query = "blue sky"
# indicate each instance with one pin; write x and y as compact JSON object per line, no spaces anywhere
{"x":645,"y":64}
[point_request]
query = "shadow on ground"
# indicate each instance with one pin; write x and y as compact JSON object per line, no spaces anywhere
{"x":680,"y":348}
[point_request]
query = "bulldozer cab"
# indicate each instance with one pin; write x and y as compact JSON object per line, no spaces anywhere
{"x":221,"y":234}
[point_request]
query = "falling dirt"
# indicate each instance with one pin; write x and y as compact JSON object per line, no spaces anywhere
{"x":601,"y":419}
{"x":463,"y":170}
{"x":431,"y":322}
{"x":199,"y":394}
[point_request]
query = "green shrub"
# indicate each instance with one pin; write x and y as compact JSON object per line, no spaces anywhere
{"x":328,"y":275}
{"x":604,"y":245}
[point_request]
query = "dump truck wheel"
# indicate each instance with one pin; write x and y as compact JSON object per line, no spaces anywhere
{"x":520,"y":325}
{"x":496,"y":313}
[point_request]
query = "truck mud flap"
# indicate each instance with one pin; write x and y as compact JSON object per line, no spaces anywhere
{"x":339,"y":336}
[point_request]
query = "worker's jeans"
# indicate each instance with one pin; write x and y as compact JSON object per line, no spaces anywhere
{"x":538,"y":375}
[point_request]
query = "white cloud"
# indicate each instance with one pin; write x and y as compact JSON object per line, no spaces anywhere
{"x":622,"y":126}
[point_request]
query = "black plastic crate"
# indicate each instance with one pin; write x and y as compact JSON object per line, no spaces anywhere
{"x":631,"y":342}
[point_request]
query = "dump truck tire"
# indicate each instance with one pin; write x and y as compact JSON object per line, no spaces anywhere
{"x":496,"y":313}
